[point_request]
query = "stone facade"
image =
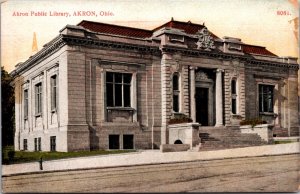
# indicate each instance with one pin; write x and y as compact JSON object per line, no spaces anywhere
{"x":115,"y":86}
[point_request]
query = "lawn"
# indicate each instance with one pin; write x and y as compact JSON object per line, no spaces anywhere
{"x":22,"y":156}
{"x":283,"y":141}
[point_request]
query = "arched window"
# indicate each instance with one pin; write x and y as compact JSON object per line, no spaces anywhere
{"x":178,"y":141}
{"x":176,"y":92}
{"x":233,"y":97}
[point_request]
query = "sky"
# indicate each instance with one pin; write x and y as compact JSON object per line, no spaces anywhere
{"x":268,"y":23}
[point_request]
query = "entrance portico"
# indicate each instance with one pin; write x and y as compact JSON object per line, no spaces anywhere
{"x":206,"y":96}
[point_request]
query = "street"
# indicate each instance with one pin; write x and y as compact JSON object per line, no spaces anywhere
{"x":253,"y":174}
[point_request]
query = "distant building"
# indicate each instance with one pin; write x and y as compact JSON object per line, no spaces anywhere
{"x":103,"y":86}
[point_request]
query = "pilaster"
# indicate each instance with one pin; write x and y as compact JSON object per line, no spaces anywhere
{"x":166,"y":95}
{"x":192,"y":94}
{"x":219,"y":98}
{"x":185,"y":90}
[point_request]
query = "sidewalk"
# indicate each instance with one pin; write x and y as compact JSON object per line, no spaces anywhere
{"x":148,"y":157}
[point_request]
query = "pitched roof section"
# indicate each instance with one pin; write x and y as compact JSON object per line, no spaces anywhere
{"x":259,"y":50}
{"x":114,"y":29}
{"x":187,"y":27}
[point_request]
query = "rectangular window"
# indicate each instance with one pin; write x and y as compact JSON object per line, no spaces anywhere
{"x":53,"y":92}
{"x":233,"y":106}
{"x":38,"y":99}
{"x":266,"y":93}
{"x":114,"y":142}
{"x":53,"y":143}
{"x":35,"y":144}
{"x":25,"y":144}
{"x":25,"y":104}
{"x":233,"y":96}
{"x":176,"y":92}
{"x":233,"y":86}
{"x":39,"y":144}
{"x":127,"y":141}
{"x":118,"y":89}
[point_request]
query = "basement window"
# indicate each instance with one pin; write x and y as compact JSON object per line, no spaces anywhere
{"x":25,"y":146}
{"x":114,"y":142}
{"x":35,"y":144}
{"x":52,"y":143}
{"x":128,"y":142}
{"x":39,"y":144}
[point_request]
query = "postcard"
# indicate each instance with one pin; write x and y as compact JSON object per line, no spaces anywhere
{"x":150,"y":96}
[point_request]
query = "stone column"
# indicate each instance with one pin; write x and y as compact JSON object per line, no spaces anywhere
{"x":192,"y":93}
{"x":103,"y":96}
{"x":17,"y":88}
{"x":219,"y":98}
{"x":166,"y":95}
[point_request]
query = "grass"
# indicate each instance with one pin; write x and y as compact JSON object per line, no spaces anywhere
{"x":283,"y":141}
{"x":22,"y":156}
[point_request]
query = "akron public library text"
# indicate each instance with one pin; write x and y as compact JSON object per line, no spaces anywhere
{"x":63,"y":14}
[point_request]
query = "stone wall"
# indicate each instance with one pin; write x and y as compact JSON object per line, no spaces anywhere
{"x":88,"y":70}
{"x":285,"y":95}
{"x":49,"y":122}
{"x":234,"y":71}
{"x":78,"y":138}
{"x":99,"y":136}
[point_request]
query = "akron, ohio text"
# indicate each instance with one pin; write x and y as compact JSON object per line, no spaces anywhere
{"x":93,"y":13}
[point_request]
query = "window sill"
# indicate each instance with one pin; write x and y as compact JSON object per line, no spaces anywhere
{"x":38,"y":115}
{"x":236,"y":116}
{"x":268,"y":114}
{"x":177,"y":113}
{"x":120,"y":108}
{"x":129,"y":124}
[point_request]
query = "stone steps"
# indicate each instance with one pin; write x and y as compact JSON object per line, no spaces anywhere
{"x":231,"y":137}
{"x":280,"y":132}
{"x":224,"y":138}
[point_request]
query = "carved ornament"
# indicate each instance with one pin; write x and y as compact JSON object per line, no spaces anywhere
{"x":200,"y":76}
{"x":205,"y":41}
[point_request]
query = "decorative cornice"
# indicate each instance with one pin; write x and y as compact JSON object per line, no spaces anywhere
{"x":72,"y":40}
{"x":272,"y":63}
{"x":195,"y":52}
{"x":102,"y":61}
{"x":268,"y":77}
{"x":62,"y":40}
{"x":224,"y":56}
{"x":49,"y":49}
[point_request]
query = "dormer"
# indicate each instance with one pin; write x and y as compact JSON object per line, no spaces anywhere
{"x":232,"y":45}
{"x":170,"y":36}
{"x":289,"y":60}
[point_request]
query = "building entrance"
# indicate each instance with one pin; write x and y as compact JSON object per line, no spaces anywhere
{"x":202,"y":106}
